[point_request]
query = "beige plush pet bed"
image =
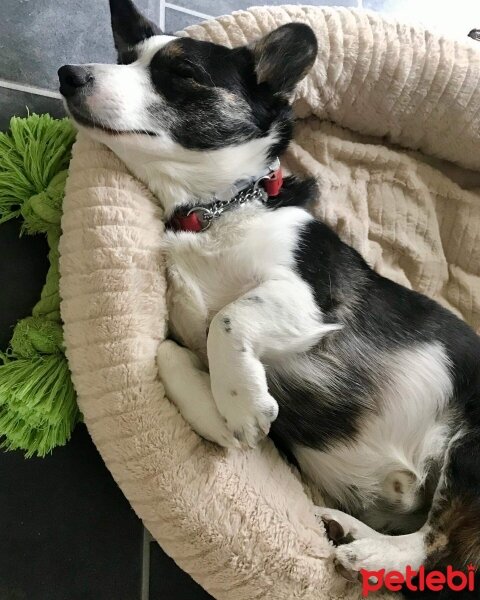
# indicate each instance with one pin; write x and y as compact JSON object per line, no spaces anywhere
{"x":240,"y":522}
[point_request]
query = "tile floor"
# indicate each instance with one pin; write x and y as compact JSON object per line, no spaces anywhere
{"x":67,"y":531}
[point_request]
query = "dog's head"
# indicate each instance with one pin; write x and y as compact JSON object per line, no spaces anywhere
{"x":178,"y":96}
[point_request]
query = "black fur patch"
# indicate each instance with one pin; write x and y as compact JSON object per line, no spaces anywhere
{"x":296,"y":192}
{"x":376,"y":315}
{"x":129,"y":28}
{"x":214,"y":96}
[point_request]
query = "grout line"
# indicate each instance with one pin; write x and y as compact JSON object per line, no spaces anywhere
{"x":147,"y":539}
{"x":162,"y":15}
{"x":30,"y":89}
{"x":188,"y":11}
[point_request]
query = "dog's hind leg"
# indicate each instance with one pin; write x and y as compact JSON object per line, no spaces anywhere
{"x":451,"y":535}
{"x":361,"y":547}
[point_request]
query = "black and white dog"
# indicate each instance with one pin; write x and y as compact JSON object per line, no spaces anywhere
{"x":374,"y":390}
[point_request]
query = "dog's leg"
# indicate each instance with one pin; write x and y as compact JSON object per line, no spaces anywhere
{"x":188,"y":387}
{"x":451,"y":535}
{"x":361,"y":547}
{"x":276,"y":318}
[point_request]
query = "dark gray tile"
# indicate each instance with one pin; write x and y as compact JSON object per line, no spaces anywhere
{"x":177,"y":21}
{"x":19,"y":104}
{"x":222,"y":7}
{"x":23,"y":268}
{"x":169,"y":581}
{"x":67,"y":530}
{"x":38,"y":36}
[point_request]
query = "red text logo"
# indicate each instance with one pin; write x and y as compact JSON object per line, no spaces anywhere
{"x":435,"y":581}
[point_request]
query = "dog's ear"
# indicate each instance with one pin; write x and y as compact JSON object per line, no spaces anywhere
{"x":129,"y":26}
{"x":284,"y":56}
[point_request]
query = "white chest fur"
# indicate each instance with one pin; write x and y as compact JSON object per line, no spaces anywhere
{"x":209,"y":270}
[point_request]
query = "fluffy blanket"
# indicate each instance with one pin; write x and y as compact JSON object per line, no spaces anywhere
{"x":389,"y":121}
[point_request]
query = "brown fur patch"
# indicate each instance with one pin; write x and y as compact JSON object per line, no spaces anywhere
{"x":465,"y":531}
{"x":455,"y":533}
{"x":173,"y":49}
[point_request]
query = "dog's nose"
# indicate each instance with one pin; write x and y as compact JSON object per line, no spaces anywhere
{"x":72,"y":78}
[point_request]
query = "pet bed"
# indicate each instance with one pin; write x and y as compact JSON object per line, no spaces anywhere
{"x":389,"y":122}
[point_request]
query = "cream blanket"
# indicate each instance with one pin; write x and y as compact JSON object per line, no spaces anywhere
{"x":240,"y":522}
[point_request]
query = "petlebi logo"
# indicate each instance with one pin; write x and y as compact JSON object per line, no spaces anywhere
{"x":418,"y":581}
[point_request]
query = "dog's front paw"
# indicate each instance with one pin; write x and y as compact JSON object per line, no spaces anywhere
{"x":249,"y":420}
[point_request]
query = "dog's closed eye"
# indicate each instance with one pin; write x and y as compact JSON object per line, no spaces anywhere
{"x":184,"y":70}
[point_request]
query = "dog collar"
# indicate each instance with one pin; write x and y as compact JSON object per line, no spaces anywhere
{"x":200,"y":217}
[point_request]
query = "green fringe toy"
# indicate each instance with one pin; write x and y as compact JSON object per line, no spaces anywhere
{"x":38,"y":408}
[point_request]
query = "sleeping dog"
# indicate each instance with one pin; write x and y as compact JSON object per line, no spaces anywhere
{"x":372,"y":389}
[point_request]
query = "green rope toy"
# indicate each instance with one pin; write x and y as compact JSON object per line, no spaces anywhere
{"x":38,"y":408}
